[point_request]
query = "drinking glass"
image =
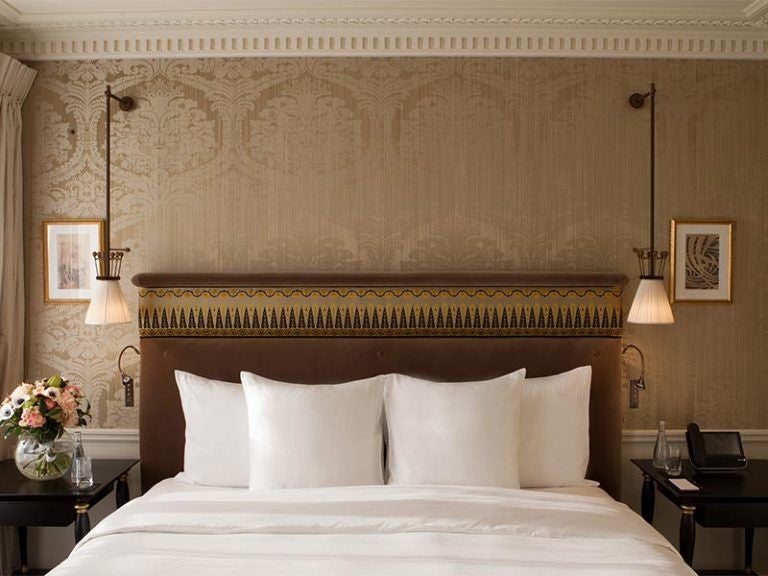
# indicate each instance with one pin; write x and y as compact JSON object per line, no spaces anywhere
{"x":82,"y":472}
{"x":674,"y":462}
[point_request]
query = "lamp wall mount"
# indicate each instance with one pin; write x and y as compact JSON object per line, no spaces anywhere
{"x":126,"y":102}
{"x":109,"y":261}
{"x":637,"y":100}
{"x":651,"y":261}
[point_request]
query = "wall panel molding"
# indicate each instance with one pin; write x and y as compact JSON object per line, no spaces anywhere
{"x":110,"y":441}
{"x":648,"y":437}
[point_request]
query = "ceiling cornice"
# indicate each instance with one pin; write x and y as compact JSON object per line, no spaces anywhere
{"x":719,"y":34}
{"x":757,"y":11}
{"x":8,"y":14}
{"x":387,"y":20}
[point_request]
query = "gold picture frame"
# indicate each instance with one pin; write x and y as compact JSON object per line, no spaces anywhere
{"x":69,"y":271}
{"x":701,"y":261}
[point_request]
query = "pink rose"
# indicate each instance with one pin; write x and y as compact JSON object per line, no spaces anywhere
{"x":32,"y":418}
{"x":50,"y":404}
{"x":71,"y":420}
{"x":67,"y":402}
{"x":38,"y":390}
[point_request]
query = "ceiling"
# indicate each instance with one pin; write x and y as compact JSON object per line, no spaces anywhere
{"x":56,"y":29}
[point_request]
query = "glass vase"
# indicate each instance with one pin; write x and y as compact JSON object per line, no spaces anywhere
{"x":44,"y":460}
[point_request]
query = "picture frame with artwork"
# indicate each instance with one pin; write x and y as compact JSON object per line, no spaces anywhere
{"x":68,"y":266}
{"x":701,"y":264}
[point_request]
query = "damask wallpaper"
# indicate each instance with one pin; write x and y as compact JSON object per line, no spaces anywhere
{"x":410,"y":164}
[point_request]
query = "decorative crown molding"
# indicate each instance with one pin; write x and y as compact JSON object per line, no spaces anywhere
{"x":385,"y":21}
{"x":744,"y":35}
{"x":757,"y":10}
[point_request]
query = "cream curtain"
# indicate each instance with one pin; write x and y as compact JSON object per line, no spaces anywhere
{"x":15,"y":82}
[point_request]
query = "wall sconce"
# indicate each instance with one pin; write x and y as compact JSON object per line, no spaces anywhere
{"x":125,"y":379}
{"x":635,"y":384}
{"x":108,"y":305}
{"x":651,"y":304}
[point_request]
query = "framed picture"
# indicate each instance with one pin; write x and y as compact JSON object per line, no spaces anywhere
{"x":701,"y":261}
{"x":69,"y":269}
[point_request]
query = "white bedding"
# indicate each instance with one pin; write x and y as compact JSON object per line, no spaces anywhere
{"x":177,"y":528}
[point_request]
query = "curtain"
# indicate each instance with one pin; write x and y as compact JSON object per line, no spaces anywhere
{"x":15,"y":82}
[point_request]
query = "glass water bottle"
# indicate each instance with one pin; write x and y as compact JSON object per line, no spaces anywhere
{"x":81,"y":473}
{"x":661,"y":449}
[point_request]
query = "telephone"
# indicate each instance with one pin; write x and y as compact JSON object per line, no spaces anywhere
{"x":714,"y":451}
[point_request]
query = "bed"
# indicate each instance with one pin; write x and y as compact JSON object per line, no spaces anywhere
{"x":329,"y":328}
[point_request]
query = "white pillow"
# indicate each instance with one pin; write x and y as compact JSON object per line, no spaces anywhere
{"x":554,"y":430}
{"x":460,"y":433}
{"x":314,"y":435}
{"x":216,"y":447}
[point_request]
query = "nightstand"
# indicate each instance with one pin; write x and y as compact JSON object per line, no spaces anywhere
{"x":25,"y":502}
{"x":726,"y":500}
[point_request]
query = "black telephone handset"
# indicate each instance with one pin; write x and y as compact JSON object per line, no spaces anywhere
{"x":714,"y":451}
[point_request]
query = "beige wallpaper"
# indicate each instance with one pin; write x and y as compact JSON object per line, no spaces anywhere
{"x":411,"y":164}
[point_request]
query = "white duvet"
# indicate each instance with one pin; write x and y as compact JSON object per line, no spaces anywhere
{"x":371,"y":530}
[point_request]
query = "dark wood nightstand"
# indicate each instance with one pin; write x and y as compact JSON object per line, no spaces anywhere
{"x":726,"y":500}
{"x":25,"y":502}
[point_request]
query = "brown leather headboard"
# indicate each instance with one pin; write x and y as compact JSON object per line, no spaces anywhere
{"x":327,"y":328}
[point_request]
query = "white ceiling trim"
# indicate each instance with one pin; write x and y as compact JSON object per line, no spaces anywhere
{"x":757,"y":11}
{"x":416,"y":35}
{"x":51,"y":11}
{"x":8,"y":13}
{"x":680,"y":22}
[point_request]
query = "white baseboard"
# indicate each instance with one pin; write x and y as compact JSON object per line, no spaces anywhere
{"x":111,"y":442}
{"x":748,"y":437}
{"x":124,"y":443}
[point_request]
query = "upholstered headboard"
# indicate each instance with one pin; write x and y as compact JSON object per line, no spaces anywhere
{"x":327,"y":328}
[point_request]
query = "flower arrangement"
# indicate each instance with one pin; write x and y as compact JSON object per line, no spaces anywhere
{"x":38,"y":413}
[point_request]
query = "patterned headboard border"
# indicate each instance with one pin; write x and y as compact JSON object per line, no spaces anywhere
{"x":380,"y":305}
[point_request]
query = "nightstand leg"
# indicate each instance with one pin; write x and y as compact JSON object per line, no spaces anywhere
{"x":121,"y":491}
{"x":687,"y":534}
{"x":24,"y":568}
{"x":82,"y":521}
{"x":648,"y":499}
{"x":749,"y":541}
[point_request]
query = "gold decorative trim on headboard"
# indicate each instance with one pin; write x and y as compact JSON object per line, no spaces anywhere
{"x":317,"y":311}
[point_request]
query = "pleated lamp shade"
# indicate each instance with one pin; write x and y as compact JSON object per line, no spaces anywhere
{"x":108,"y":305}
{"x":651,"y":305}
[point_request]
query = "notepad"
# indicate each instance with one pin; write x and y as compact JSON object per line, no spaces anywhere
{"x":683,"y":485}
